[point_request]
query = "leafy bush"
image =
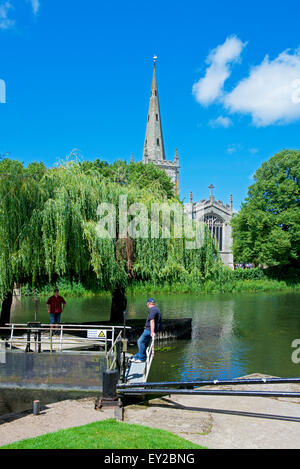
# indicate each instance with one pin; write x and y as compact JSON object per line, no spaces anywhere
{"x":248,"y":274}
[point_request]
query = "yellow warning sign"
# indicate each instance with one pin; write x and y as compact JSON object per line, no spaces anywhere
{"x":96,"y":334}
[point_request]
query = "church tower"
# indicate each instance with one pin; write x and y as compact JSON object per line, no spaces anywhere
{"x":154,"y":150}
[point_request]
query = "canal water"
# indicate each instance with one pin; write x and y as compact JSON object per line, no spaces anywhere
{"x":233,"y":334}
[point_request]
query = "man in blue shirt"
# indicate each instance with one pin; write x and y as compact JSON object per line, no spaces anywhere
{"x":152,"y":326}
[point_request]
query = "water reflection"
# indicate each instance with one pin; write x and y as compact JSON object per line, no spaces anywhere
{"x":232,"y":335}
{"x":77,"y":310}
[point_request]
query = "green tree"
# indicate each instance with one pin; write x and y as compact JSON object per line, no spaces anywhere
{"x":142,"y":176}
{"x":20,"y":199}
{"x":48,"y":230}
{"x":267,"y":228}
{"x":150,"y":176}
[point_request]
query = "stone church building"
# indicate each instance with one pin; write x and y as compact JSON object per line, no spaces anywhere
{"x":217,"y":216}
{"x":214,"y":213}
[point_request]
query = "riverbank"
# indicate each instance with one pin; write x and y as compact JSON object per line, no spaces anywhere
{"x":212,"y":287}
{"x":245,"y":285}
{"x":228,"y":422}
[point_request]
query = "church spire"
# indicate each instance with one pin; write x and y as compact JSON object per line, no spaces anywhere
{"x":154,"y":90}
{"x":154,"y":144}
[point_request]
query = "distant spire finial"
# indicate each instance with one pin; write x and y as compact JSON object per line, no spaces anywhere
{"x":154,"y":59}
{"x":176,"y":157}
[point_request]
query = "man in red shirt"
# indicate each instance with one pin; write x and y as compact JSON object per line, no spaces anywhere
{"x":55,"y":306}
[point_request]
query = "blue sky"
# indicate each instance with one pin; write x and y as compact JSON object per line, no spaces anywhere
{"x":78,"y":76}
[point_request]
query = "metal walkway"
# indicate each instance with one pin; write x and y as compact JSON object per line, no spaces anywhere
{"x":138,"y":372}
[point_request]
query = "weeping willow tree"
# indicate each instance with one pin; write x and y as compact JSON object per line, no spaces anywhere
{"x":49,"y":229}
{"x":21,"y":199}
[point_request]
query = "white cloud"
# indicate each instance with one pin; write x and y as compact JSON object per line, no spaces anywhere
{"x":210,"y":87}
{"x":238,"y":147}
{"x":5,"y":8}
{"x":5,"y":22}
{"x":35,"y":5}
{"x":234,"y":147}
{"x":220,"y":122}
{"x":268,"y":93}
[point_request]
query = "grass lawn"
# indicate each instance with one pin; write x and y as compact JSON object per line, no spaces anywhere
{"x":107,"y":434}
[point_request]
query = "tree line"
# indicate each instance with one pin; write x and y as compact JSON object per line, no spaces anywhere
{"x":48,"y":229}
{"x":266,"y":231}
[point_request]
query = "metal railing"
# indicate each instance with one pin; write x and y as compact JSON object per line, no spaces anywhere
{"x":52,"y":340}
{"x":214,"y":382}
{"x":194,"y":387}
{"x":149,"y":358}
{"x":113,"y":356}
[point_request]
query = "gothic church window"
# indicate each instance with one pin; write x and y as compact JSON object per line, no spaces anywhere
{"x":215,"y":225}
